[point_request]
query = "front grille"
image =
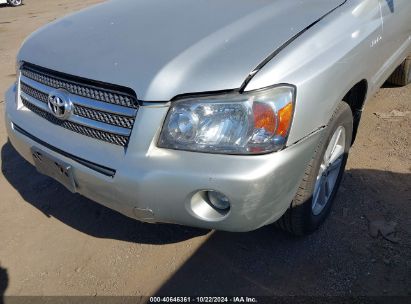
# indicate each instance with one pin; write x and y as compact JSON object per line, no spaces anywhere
{"x":101,"y":135}
{"x":101,"y":111}
{"x":79,"y":89}
{"x":112,"y":119}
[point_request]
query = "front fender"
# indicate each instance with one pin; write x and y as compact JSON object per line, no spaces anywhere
{"x":326,"y":62}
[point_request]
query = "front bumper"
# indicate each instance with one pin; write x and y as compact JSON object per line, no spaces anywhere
{"x":158,"y":185}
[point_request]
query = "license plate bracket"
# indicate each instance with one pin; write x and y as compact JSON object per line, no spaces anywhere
{"x":55,"y":168}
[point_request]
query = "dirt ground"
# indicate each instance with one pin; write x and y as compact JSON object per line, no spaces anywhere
{"x":55,"y":243}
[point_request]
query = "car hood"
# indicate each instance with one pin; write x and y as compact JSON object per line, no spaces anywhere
{"x":163,"y":48}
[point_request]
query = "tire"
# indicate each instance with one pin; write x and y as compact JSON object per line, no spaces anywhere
{"x":15,"y":2}
{"x":306,"y":213}
{"x":402,"y":75}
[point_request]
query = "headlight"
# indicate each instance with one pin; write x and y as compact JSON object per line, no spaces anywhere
{"x":249,"y":123}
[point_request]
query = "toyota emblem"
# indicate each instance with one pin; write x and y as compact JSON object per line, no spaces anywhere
{"x":60,"y":104}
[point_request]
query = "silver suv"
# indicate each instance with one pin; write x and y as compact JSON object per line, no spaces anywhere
{"x":225,"y":114}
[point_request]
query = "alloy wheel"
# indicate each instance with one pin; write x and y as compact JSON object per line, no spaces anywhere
{"x":329,"y":170}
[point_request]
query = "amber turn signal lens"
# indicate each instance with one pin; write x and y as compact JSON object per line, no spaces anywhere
{"x":264,"y":117}
{"x":284,"y":116}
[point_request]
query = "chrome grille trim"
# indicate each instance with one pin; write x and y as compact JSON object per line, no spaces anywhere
{"x":35,"y":102}
{"x":33,"y":95}
{"x":110,"y":117}
{"x":29,"y":90}
{"x":100,"y":125}
{"x":76,"y":118}
{"x":86,"y":102}
{"x":89,"y":91}
{"x":84,"y":130}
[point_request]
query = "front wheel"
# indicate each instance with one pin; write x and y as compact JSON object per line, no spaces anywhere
{"x":15,"y":2}
{"x":322,"y":177}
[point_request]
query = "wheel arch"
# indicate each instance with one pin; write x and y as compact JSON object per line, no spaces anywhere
{"x":356,"y":98}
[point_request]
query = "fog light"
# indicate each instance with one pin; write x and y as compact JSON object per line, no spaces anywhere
{"x":218,"y":200}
